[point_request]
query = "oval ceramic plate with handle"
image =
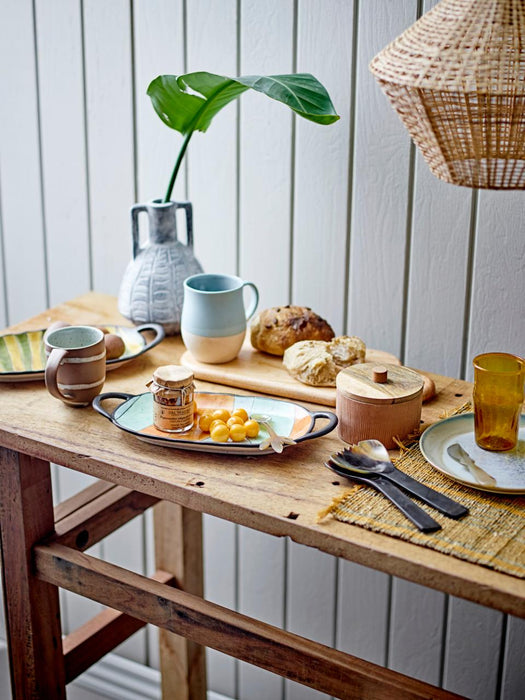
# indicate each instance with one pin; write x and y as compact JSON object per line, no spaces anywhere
{"x":23,"y":358}
{"x":507,"y":468}
{"x":289,"y":420}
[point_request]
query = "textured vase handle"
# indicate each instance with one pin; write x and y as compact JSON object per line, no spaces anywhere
{"x":189,"y":222}
{"x":135,"y":211}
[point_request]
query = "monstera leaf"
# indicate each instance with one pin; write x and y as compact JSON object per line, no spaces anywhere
{"x":188,"y":103}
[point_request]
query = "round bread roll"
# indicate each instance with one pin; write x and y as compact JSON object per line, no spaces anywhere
{"x":273,"y":330}
{"x":317,"y":362}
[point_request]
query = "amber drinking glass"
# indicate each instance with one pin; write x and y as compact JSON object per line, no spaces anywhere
{"x":498,"y":398}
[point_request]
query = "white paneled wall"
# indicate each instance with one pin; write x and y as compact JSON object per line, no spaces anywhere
{"x":346,"y":219}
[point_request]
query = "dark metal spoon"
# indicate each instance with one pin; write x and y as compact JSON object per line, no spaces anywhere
{"x":421,"y":519}
{"x":366,"y":466}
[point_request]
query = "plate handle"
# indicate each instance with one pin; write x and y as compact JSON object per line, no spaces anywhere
{"x":332,"y":422}
{"x":97,"y":401}
{"x":160,"y":334}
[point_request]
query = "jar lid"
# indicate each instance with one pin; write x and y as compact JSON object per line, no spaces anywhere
{"x":373,"y":383}
{"x":173,"y":376}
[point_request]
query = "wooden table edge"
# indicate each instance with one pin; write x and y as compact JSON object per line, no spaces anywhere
{"x":390,"y":555}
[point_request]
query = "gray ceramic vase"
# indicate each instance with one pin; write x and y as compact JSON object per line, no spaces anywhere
{"x":152,"y":288}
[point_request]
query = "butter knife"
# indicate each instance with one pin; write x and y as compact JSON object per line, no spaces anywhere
{"x":480,"y":475}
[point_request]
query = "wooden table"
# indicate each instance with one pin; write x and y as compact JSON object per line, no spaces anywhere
{"x":43,"y":549}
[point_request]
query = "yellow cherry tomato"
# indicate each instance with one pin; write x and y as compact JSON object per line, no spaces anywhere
{"x":205,"y":422}
{"x":234,"y":420}
{"x":252,"y":428}
{"x":220,"y":433}
{"x":221,"y":414}
{"x":238,"y":432}
{"x":242,"y":413}
{"x":215,"y":422}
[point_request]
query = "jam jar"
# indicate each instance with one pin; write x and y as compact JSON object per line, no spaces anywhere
{"x":173,"y":408}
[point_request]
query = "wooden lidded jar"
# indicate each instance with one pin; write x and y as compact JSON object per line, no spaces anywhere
{"x":378,"y":403}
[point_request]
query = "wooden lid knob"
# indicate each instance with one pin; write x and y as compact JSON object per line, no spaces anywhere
{"x":380,"y":374}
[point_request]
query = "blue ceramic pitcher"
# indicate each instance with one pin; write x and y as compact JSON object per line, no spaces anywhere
{"x":213,"y":321}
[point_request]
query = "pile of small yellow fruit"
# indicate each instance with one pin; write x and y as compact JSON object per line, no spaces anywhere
{"x":223,"y":425}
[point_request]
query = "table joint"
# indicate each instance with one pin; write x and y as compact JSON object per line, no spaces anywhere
{"x":96,"y":512}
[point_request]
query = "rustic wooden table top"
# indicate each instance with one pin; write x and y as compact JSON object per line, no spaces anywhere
{"x":278,"y":494}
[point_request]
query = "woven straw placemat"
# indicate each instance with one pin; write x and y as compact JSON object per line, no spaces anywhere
{"x":492,"y":534}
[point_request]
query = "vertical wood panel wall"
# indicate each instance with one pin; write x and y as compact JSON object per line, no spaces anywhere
{"x":346,"y":219}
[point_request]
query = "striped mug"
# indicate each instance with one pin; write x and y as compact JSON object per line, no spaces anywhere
{"x":76,"y":364}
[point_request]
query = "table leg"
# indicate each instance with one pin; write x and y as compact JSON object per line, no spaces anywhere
{"x":178,"y":550}
{"x":31,"y":606}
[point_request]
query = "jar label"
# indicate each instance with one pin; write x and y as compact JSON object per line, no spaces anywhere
{"x":173,"y":418}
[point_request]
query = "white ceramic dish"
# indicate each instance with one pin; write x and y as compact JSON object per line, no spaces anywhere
{"x":508,"y":468}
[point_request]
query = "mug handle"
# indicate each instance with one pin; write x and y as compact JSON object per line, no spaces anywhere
{"x":55,"y":358}
{"x":255,"y":301}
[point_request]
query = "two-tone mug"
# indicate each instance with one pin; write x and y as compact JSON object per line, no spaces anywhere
{"x":213,"y":320}
{"x":76,"y":364}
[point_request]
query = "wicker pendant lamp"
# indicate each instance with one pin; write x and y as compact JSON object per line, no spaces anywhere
{"x":456,"y":78}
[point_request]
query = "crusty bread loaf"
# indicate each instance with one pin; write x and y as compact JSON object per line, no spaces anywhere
{"x":318,"y":362}
{"x":347,"y":350}
{"x":273,"y":330}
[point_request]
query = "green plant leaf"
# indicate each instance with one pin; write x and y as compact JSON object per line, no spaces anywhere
{"x":185,"y":111}
{"x":303,"y":93}
{"x":188,"y":103}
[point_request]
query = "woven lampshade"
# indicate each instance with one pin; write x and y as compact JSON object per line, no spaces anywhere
{"x":456,"y":78}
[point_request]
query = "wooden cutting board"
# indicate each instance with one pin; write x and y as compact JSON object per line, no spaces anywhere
{"x":264,"y":373}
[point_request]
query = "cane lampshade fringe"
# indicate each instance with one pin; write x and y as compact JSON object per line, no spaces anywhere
{"x":456,"y":78}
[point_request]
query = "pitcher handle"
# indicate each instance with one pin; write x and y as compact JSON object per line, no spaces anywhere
{"x":255,"y":300}
{"x":135,"y":211}
{"x":189,"y":222}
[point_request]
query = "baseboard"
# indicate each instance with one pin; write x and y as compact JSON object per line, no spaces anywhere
{"x":112,"y":677}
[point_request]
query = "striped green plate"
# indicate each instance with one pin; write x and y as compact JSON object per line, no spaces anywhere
{"x":23,"y":358}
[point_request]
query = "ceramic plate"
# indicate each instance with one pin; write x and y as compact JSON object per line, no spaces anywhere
{"x":22,"y":355}
{"x":508,"y":468}
{"x":135,"y":416}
